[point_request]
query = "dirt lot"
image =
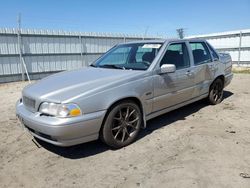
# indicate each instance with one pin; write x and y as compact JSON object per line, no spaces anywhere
{"x":195,"y":146}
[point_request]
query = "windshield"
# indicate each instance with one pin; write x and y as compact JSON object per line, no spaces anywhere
{"x":136,"y":56}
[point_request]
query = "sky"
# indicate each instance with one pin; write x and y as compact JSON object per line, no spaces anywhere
{"x":146,"y":17}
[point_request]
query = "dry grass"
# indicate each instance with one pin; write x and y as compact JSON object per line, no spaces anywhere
{"x":241,"y":70}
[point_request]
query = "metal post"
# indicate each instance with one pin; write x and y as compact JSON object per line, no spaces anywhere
{"x":145,"y":33}
{"x":81,"y":53}
{"x":239,"y":48}
{"x":20,"y":45}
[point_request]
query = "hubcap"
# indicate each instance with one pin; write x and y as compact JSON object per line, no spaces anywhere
{"x":125,"y":123}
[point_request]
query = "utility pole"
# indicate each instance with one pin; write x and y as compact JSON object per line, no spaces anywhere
{"x":180,"y":32}
{"x":19,"y":44}
{"x":239,"y":52}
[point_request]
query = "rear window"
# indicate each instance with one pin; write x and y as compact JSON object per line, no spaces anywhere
{"x":214,"y":54}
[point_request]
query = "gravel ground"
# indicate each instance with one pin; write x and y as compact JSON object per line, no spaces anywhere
{"x":195,"y":146}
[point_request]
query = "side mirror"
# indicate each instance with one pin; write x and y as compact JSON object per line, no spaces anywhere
{"x":168,"y":68}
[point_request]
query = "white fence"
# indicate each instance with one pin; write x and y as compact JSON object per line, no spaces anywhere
{"x":237,"y":43}
{"x":45,"y":52}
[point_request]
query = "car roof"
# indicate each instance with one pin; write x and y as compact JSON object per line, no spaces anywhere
{"x":145,"y":41}
{"x":164,"y":40}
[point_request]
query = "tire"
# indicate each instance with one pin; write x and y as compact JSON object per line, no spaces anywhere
{"x":122,"y":125}
{"x":216,"y":92}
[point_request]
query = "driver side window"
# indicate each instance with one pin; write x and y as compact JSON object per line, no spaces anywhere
{"x":176,"y":54}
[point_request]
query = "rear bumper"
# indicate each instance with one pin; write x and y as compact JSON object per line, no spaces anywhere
{"x":228,"y":79}
{"x":61,"y":131}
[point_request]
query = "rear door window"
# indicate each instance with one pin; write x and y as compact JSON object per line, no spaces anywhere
{"x":200,"y":52}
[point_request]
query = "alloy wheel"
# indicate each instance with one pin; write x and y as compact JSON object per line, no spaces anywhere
{"x":217,"y":91}
{"x":125,"y":123}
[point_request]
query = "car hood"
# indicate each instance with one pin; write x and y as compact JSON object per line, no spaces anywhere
{"x":68,"y":85}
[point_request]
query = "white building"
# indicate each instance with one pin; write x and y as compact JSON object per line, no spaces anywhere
{"x":237,"y":43}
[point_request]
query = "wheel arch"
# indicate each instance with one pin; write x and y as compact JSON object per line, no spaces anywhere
{"x":222,"y":77}
{"x":134,"y":99}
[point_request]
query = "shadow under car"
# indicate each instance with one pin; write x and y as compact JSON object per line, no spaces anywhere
{"x":95,"y":147}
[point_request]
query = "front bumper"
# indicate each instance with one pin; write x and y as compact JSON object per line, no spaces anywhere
{"x":61,"y":131}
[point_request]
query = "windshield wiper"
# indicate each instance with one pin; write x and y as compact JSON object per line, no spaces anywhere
{"x":92,"y":65}
{"x":111,"y":66}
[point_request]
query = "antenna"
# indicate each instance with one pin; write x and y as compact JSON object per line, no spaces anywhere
{"x":19,"y":21}
{"x":145,"y":33}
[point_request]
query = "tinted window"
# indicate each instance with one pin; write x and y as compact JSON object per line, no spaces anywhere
{"x":200,"y":53}
{"x":141,"y":53}
{"x":214,"y":54}
{"x":176,"y":54}
{"x":119,"y":56}
{"x":135,"y":56}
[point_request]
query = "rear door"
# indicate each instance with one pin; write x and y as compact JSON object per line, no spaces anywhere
{"x":177,"y":87}
{"x":204,"y":67}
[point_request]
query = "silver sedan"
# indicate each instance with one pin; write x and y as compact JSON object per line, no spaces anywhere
{"x":113,"y":98}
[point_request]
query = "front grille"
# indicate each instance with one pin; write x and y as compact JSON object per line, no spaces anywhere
{"x":29,"y":102}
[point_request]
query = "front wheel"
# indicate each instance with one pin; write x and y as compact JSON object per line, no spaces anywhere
{"x":122,"y":125}
{"x":216,"y":92}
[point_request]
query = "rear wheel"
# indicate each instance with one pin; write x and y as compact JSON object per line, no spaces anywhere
{"x":122,"y":124}
{"x":216,"y":92}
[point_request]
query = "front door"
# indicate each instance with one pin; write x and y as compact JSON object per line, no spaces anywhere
{"x":174,"y":88}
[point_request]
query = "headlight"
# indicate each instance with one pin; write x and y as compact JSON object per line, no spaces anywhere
{"x":60,"y":110}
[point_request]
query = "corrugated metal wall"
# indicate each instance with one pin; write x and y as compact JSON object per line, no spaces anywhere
{"x":237,"y":43}
{"x":46,"y":52}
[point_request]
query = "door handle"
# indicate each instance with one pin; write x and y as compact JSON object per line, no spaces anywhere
{"x":189,"y":73}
